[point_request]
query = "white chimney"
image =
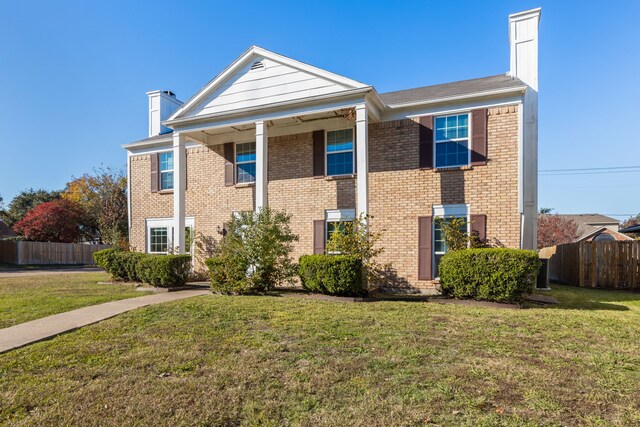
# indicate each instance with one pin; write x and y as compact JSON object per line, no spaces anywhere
{"x":162,"y":104}
{"x":523,"y":39}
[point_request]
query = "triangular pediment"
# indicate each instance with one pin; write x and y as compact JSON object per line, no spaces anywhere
{"x":260,"y":78}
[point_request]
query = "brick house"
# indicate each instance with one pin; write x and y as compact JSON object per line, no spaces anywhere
{"x":269,"y":130}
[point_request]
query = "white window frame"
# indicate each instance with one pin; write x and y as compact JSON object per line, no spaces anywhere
{"x":168,"y":224}
{"x":236,"y":163}
{"x":160,"y":171}
{"x":353,"y":152}
{"x":447,"y":211}
{"x":336,"y":216}
{"x":436,"y":141}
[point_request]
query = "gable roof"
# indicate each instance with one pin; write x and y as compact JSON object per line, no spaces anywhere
{"x":454,"y":89}
{"x":591,"y":219}
{"x":245,"y":61}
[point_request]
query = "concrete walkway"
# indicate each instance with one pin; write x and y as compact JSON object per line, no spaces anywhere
{"x":49,"y":327}
{"x":45,"y":271}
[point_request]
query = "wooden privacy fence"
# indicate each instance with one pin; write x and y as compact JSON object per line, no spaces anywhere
{"x":613,"y":265}
{"x":25,"y":253}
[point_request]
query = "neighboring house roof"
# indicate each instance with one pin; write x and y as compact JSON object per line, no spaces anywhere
{"x":599,"y":230}
{"x":591,"y":224}
{"x":451,"y":90}
{"x":632,"y":229}
{"x":6,"y":231}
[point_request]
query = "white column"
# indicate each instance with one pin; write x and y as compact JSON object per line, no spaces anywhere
{"x":179,"y":188}
{"x":362,"y":159}
{"x":523,"y":39}
{"x":262,"y":138}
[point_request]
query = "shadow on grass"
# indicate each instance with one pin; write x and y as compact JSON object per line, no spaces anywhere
{"x":576,"y":298}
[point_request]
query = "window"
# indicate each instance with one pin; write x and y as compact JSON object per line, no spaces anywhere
{"x":446,"y":213}
{"x":158,"y":240}
{"x":339,"y":152}
{"x":166,"y":170}
{"x":335,"y":220}
{"x":452,"y":141}
{"x":160,"y":235}
{"x":246,"y":162}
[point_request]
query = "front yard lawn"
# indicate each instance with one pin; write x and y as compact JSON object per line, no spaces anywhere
{"x":225,"y":360}
{"x":32,"y":297}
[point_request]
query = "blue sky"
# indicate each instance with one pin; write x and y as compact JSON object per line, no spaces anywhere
{"x":73,"y":75}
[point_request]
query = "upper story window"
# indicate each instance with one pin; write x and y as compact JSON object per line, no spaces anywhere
{"x":452,"y":141}
{"x":246,"y":162}
{"x":339,"y":152}
{"x":166,"y":170}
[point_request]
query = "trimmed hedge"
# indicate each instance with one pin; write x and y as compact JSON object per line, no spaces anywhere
{"x":164,"y":271}
{"x":120,"y":264}
{"x":494,"y":274}
{"x":332,"y":274}
{"x":227,"y":277}
{"x":156,"y":270}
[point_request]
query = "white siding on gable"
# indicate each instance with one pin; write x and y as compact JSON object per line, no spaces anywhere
{"x":275,"y":82}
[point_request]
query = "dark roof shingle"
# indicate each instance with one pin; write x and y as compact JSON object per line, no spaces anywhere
{"x":446,"y":90}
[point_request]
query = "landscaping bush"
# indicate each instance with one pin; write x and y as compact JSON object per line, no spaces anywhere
{"x":227,"y":277}
{"x":332,"y":274}
{"x":122,"y":265}
{"x":494,"y":274}
{"x":106,"y":259}
{"x":253,"y":256}
{"x":165,"y":271}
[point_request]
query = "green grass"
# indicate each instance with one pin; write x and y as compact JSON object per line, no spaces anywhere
{"x":32,"y":297}
{"x":224,"y":360}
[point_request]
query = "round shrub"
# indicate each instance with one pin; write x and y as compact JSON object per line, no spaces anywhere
{"x":164,"y":271}
{"x":332,"y":274}
{"x":227,"y":275}
{"x":493,"y":274}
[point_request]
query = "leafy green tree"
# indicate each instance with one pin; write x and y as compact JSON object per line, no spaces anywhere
{"x":24,"y":202}
{"x":103,"y":198}
{"x":254,"y":255}
{"x":357,"y":238}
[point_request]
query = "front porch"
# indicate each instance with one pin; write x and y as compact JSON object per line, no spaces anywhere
{"x":287,"y":131}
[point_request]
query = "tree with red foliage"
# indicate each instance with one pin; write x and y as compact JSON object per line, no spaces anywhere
{"x":555,"y":230}
{"x":630,"y":222}
{"x":56,"y":221}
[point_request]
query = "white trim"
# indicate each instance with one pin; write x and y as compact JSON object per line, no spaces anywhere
{"x":468,"y":139}
{"x":236,"y":163}
{"x":451,"y":109}
{"x":446,"y":211}
{"x":263,"y":110}
{"x":353,"y":151}
{"x":336,"y":215}
{"x":243,"y":60}
{"x":466,"y":96}
{"x":167,"y":223}
{"x":160,"y":171}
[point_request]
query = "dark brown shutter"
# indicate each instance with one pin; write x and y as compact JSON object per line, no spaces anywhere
{"x":479,"y":226}
{"x":425,"y":255}
{"x":479,"y":137}
{"x":425,"y":152}
{"x":155,"y":173}
{"x":229,"y":164}
{"x":186,"y":173}
{"x":318,"y":236}
{"x":318,"y":153}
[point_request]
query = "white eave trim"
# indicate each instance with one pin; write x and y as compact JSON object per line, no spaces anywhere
{"x":248,"y":110}
{"x":147,"y":143}
{"x":466,"y":96}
